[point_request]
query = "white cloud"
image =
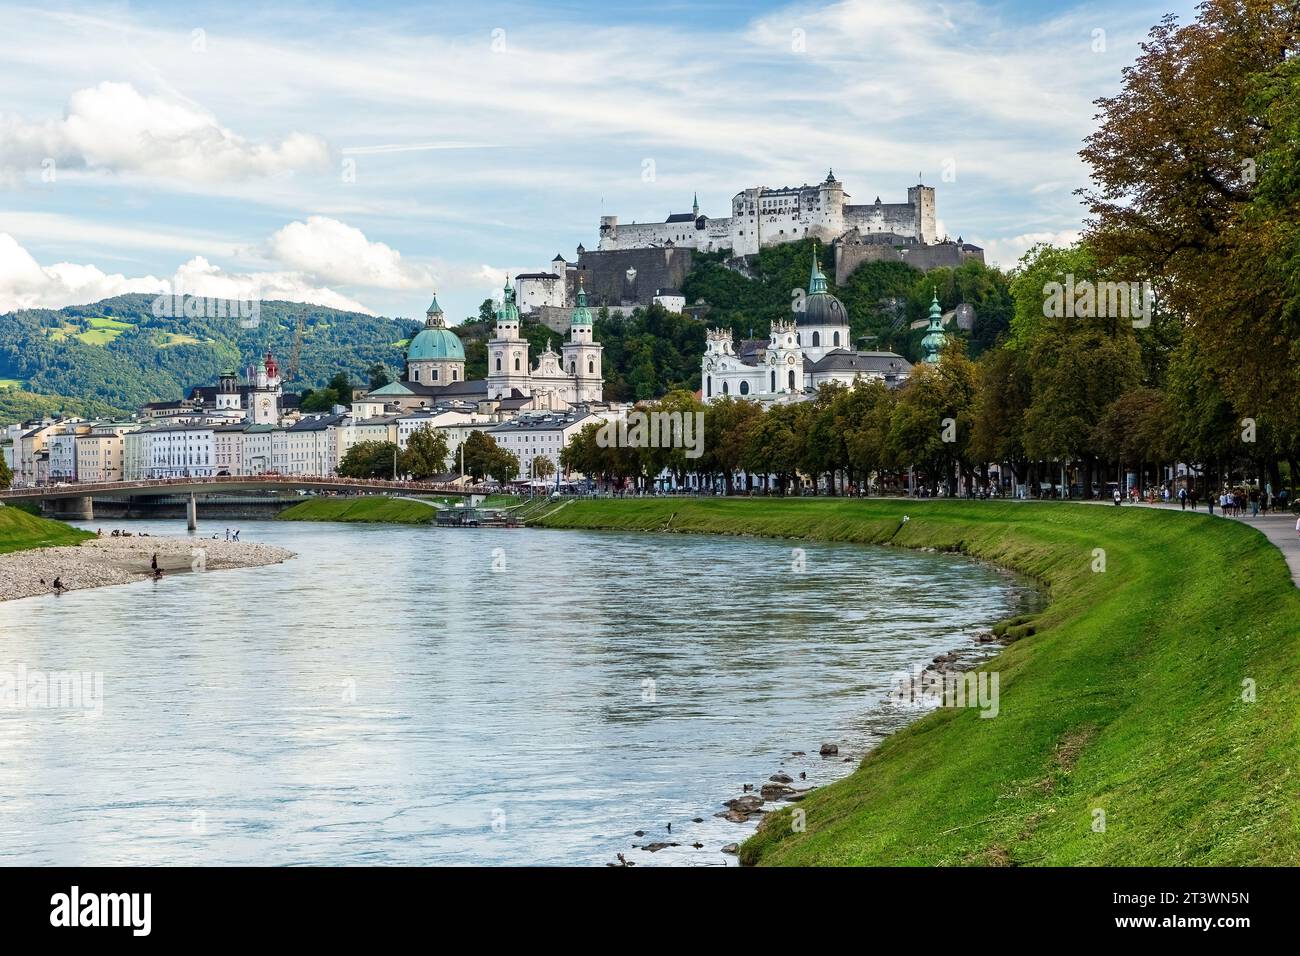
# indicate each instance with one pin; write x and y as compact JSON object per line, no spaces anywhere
{"x":333,"y":252}
{"x":26,"y":284}
{"x":200,"y":277}
{"x":115,"y":128}
{"x":1005,"y":253}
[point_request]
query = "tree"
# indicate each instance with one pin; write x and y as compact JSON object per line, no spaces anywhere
{"x":504,"y":466}
{"x":425,"y":455}
{"x":478,"y":454}
{"x":931,"y":422}
{"x":369,"y":459}
{"x":379,"y":375}
{"x":1002,"y":397}
{"x":1196,"y":185}
{"x":862,"y":416}
{"x":6,"y":474}
{"x":337,"y":392}
{"x":729,"y":423}
{"x":542,"y":467}
{"x":776,"y":443}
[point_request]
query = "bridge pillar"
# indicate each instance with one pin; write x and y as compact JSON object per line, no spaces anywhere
{"x":70,"y":509}
{"x":192,"y":513}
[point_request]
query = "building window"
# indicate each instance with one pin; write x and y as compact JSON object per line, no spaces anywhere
{"x":415,"y":375}
{"x":591,"y":366}
{"x":435,"y":376}
{"x":837,"y":339}
{"x":817,"y":339}
{"x":498,"y":364}
{"x":516,"y":363}
{"x":792,"y":380}
{"x":708,"y":385}
{"x":774,"y":380}
{"x":744,"y":388}
{"x":725,"y":389}
{"x":455,"y":374}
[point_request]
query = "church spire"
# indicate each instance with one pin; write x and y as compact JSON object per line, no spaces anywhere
{"x":582,"y":314}
{"x":695,"y":204}
{"x":433,"y":315}
{"x":935,"y":338}
{"x":816,"y":280}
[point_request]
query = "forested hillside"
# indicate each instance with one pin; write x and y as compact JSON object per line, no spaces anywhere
{"x":117,"y":354}
{"x":882,"y":298}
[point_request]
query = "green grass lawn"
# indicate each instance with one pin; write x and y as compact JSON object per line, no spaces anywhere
{"x":1125,"y":694}
{"x":376,"y":508}
{"x":104,"y":322}
{"x":168,"y":339}
{"x":20,"y":530}
{"x":11,"y":383}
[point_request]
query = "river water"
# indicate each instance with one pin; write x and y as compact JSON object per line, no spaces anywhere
{"x":399,"y":695}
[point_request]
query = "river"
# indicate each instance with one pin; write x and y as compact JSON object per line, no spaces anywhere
{"x":410,"y":695}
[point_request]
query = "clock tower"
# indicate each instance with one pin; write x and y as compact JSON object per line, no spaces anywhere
{"x":264,"y":393}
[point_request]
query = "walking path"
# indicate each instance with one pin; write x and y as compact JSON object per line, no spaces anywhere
{"x":1278,"y":528}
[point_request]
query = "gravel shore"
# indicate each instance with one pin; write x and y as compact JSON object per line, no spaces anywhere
{"x":104,"y":561}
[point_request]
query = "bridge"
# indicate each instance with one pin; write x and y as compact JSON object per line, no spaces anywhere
{"x":80,"y":495}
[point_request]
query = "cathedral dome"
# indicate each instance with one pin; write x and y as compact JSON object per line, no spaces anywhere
{"x":435,"y":343}
{"x":819,"y":306}
{"x":822,"y":309}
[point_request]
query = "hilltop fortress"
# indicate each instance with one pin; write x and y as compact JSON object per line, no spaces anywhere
{"x":763,"y":216}
{"x":636,"y":264}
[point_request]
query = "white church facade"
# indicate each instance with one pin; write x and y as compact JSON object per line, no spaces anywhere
{"x":799,"y":356}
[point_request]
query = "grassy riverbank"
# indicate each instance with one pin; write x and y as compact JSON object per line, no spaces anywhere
{"x":1125,"y":694}
{"x":382,"y":509}
{"x":21,"y":530}
{"x":371,"y":509}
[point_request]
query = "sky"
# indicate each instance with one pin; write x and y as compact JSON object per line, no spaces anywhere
{"x":365,"y":157}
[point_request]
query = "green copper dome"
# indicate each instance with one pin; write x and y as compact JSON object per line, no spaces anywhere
{"x":934,"y":336}
{"x":582,"y":314}
{"x":435,"y":343}
{"x":820,"y":307}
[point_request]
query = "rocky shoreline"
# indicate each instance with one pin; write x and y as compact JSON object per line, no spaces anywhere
{"x":105,"y":561}
{"x":754,"y":802}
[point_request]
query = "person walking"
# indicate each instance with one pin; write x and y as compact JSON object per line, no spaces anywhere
{"x":1182,"y":498}
{"x":1117,"y":496}
{"x":153,"y":563}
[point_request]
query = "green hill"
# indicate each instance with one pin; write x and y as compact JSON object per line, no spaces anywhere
{"x":116,"y":355}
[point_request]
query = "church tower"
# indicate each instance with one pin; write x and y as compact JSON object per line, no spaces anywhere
{"x":784,"y":360}
{"x":228,"y":393}
{"x":264,"y":396}
{"x":582,"y":355}
{"x":935,"y":339}
{"x":508,"y":367}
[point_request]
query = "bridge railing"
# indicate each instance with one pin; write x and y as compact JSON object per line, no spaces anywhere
{"x":269,"y":481}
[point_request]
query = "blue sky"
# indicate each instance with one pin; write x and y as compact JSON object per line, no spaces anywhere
{"x":361,"y":157}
